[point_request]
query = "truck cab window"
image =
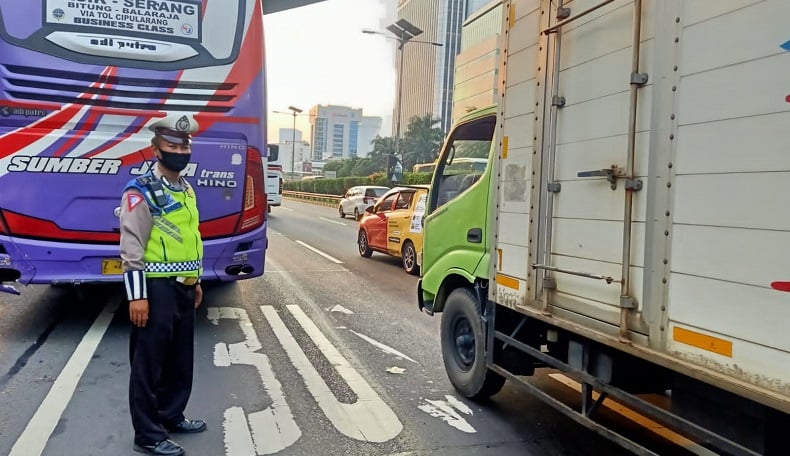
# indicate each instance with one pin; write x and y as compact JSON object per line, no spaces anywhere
{"x":463,"y":160}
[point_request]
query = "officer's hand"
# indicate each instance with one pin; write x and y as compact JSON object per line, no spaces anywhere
{"x":198,"y":295}
{"x":138,"y":312}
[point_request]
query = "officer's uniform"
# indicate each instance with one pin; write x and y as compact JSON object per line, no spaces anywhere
{"x":162,"y":255}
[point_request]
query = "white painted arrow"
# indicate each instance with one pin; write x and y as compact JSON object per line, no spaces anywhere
{"x":369,"y":418}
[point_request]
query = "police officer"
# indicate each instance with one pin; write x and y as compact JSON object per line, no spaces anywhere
{"x":162,"y":252}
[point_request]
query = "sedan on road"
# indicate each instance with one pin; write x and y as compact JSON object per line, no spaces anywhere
{"x":394,"y":226}
{"x":359,"y":198}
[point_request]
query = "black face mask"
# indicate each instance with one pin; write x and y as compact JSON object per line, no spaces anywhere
{"x":173,"y":161}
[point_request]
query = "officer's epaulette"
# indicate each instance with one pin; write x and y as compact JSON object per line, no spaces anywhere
{"x":143,"y":180}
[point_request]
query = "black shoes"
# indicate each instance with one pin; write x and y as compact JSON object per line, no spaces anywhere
{"x":168,"y":447}
{"x":163,"y":448}
{"x":187,"y":427}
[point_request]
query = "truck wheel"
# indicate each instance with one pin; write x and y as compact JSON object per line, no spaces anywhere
{"x":463,"y":347}
{"x":409,"y":258}
{"x":362,"y":243}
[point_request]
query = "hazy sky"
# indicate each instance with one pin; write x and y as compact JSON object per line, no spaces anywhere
{"x":317,"y":54}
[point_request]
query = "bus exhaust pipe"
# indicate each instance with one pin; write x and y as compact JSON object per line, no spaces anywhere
{"x":9,"y":275}
{"x":247,"y":269}
{"x":5,"y":288}
{"x":233,"y":269}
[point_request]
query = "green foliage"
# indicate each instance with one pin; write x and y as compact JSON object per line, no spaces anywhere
{"x":340,"y":185}
{"x":422,"y":141}
{"x":420,"y":144}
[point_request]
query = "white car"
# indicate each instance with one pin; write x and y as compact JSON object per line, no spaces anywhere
{"x":358,"y":198}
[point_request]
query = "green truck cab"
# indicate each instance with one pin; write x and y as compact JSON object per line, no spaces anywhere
{"x":456,"y":245}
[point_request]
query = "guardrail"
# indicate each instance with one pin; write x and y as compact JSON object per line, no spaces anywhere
{"x":313,"y":198}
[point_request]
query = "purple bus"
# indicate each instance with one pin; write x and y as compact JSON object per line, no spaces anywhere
{"x":80,"y":81}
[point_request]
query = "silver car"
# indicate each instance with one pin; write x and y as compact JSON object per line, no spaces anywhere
{"x":358,"y":198}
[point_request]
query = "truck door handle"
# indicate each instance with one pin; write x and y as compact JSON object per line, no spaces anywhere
{"x":475,"y":235}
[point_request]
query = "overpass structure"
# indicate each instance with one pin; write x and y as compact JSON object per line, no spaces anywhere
{"x":275,"y":6}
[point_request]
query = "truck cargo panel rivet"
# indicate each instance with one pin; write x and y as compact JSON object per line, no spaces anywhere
{"x":666,"y":213}
{"x":671,"y":137}
{"x":666,"y":232}
{"x":669,"y":184}
{"x":669,"y":165}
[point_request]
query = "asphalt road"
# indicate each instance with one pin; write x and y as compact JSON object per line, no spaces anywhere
{"x":326,"y":354}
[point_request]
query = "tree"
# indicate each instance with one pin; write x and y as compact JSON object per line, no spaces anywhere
{"x":382,"y":147}
{"x":422,"y":141}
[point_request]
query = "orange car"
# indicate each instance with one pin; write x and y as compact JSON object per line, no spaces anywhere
{"x":394,"y":226}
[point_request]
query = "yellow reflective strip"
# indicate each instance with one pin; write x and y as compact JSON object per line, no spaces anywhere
{"x":512,"y":18}
{"x":504,"y":147}
{"x":506,"y":281}
{"x":703,"y":341}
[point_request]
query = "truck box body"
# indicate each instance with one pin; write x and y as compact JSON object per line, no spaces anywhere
{"x":675,"y":153}
{"x":709,"y":226}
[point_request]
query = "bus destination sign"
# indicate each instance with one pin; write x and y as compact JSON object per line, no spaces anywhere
{"x":169,"y":18}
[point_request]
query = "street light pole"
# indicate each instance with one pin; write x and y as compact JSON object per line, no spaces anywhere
{"x":401,"y":43}
{"x":295,"y":111}
{"x":403,"y":32}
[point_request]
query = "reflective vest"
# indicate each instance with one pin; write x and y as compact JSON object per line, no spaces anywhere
{"x":174,"y":247}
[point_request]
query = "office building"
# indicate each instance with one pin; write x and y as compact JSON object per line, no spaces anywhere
{"x":369,"y":128}
{"x":428,"y":70}
{"x":340,"y":132}
{"x":289,"y":134}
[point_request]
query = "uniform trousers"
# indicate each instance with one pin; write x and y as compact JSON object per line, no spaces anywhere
{"x":161,"y":355}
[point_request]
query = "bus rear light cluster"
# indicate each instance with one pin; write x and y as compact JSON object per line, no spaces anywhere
{"x":254,"y":211}
{"x":36,"y":228}
{"x":3,"y":226}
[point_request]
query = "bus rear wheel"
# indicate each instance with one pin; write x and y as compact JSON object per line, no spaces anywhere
{"x":463,"y":347}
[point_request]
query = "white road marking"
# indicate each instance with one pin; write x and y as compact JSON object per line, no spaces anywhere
{"x":446,"y":411}
{"x":382,"y":347}
{"x":271,"y":429}
{"x":38,"y":430}
{"x":332,"y":221}
{"x":395,"y":370}
{"x":283,"y":208}
{"x":325,"y":255}
{"x":341,"y":309}
{"x":369,"y":418}
{"x":643,"y":421}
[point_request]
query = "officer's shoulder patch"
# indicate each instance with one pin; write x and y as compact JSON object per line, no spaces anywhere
{"x":143,"y":180}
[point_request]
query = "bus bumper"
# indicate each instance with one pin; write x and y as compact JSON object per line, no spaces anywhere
{"x":46,"y":262}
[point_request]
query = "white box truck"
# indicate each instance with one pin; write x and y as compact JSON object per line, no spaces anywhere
{"x":632,"y":227}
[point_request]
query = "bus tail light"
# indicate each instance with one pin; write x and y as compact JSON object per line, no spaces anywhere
{"x":3,"y":226}
{"x":254,"y":203}
{"x":36,"y":228}
{"x":280,"y":188}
